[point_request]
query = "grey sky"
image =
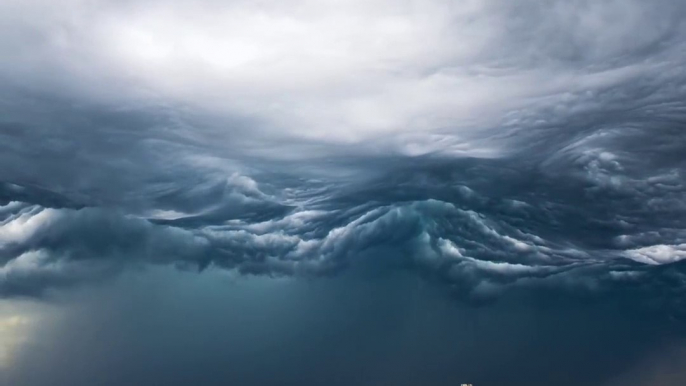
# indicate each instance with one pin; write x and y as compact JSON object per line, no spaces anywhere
{"x":524,"y":154}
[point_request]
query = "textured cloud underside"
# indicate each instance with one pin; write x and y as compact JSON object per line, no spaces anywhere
{"x":490,"y":146}
{"x":575,"y":233}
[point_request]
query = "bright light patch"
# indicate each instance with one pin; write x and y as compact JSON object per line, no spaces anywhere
{"x":13,"y":332}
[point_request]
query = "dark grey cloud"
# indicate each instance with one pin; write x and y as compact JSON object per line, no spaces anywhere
{"x":532,"y":231}
{"x":517,"y":158}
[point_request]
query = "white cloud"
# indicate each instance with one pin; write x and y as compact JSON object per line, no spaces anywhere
{"x":336,"y":70}
{"x":658,"y":254}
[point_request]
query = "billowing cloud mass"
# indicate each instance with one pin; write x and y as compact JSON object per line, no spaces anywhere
{"x":495,"y":148}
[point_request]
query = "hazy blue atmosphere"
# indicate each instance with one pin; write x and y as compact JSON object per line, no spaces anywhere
{"x":342,"y":192}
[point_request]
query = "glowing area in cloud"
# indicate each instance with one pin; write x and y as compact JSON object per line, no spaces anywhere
{"x":13,"y":332}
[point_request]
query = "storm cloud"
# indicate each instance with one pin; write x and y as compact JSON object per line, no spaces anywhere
{"x":505,"y":154}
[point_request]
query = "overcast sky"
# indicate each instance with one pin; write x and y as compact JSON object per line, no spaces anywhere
{"x":338,"y":168}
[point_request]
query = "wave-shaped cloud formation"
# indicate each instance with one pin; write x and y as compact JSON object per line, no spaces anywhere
{"x":582,"y":232}
{"x":489,"y":146}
